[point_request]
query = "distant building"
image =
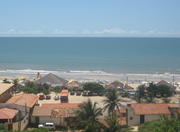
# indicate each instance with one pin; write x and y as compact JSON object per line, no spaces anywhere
{"x":73,"y":84}
{"x":58,"y":113}
{"x":52,"y":80}
{"x":115,"y":84}
{"x":5,"y":91}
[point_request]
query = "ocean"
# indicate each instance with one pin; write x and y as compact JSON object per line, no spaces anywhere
{"x":90,"y":55}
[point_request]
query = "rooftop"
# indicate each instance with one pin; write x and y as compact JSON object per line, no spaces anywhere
{"x":51,"y":79}
{"x":24,"y":99}
{"x":62,"y":105}
{"x":145,"y":109}
{"x":7,"y":113}
{"x":41,"y":111}
{"x":4,"y":87}
{"x":64,"y":93}
{"x":56,"y":110}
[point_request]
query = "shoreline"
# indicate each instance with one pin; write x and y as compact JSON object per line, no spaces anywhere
{"x":90,"y":75}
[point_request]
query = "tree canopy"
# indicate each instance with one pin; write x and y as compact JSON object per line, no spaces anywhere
{"x":93,"y":87}
{"x":167,"y":125}
{"x":148,"y":93}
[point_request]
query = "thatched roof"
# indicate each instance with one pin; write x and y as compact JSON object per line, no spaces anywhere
{"x":52,"y":79}
{"x":73,"y":84}
{"x":116,"y":84}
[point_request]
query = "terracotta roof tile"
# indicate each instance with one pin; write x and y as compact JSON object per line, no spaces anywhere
{"x":24,"y":99}
{"x":4,"y":87}
{"x":143,"y":109}
{"x":6,"y":113}
{"x":64,"y":93}
{"x":41,"y":111}
{"x":54,"y":111}
{"x":62,"y":105}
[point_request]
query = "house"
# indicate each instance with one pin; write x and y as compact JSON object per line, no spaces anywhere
{"x":52,"y":80}
{"x":7,"y":117}
{"x":14,"y":117}
{"x":5,"y":91}
{"x":140,"y":113}
{"x":58,"y":113}
{"x":64,"y":96}
{"x":29,"y":101}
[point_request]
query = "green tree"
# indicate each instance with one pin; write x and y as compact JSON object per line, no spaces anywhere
{"x":112,"y":101}
{"x":113,"y":124}
{"x":88,"y":115}
{"x":6,"y":81}
{"x":166,"y":125}
{"x":164,"y":90}
{"x":93,"y":87}
{"x":140,"y":93}
{"x":57,"y":89}
{"x":17,"y":86}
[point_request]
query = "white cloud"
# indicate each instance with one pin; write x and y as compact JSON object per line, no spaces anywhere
{"x":87,"y":32}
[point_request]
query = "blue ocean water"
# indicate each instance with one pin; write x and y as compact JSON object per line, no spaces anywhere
{"x":116,"y":55}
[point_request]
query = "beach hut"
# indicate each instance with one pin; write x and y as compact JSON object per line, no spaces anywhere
{"x":115,"y":84}
{"x":52,"y":79}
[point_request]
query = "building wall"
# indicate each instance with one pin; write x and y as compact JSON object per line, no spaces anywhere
{"x":44,"y":119}
{"x":6,"y":95}
{"x":132,"y":119}
{"x":135,"y":119}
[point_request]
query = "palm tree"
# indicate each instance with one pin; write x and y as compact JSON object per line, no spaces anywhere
{"x":88,"y":115}
{"x":112,"y":101}
{"x":113,"y":124}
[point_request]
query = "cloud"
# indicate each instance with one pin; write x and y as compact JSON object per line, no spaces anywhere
{"x":86,"y":32}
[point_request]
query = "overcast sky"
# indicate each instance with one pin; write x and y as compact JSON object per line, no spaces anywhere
{"x":90,"y":18}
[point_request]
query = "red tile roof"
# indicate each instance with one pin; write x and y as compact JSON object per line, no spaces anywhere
{"x":64,"y":93}
{"x":56,"y":110}
{"x":62,"y":105}
{"x":144,"y":109}
{"x":6,"y":113}
{"x":24,"y":99}
{"x":41,"y":111}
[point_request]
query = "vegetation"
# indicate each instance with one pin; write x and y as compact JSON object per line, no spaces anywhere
{"x":148,"y":94}
{"x":6,"y":81}
{"x":57,"y":89}
{"x":31,"y":87}
{"x":112,"y":101}
{"x":88,"y":115}
{"x":32,"y":130}
{"x":113,"y":125}
{"x":167,"y":125}
{"x":93,"y":87}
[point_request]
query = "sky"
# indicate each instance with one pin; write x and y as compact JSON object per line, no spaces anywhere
{"x":124,"y":18}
